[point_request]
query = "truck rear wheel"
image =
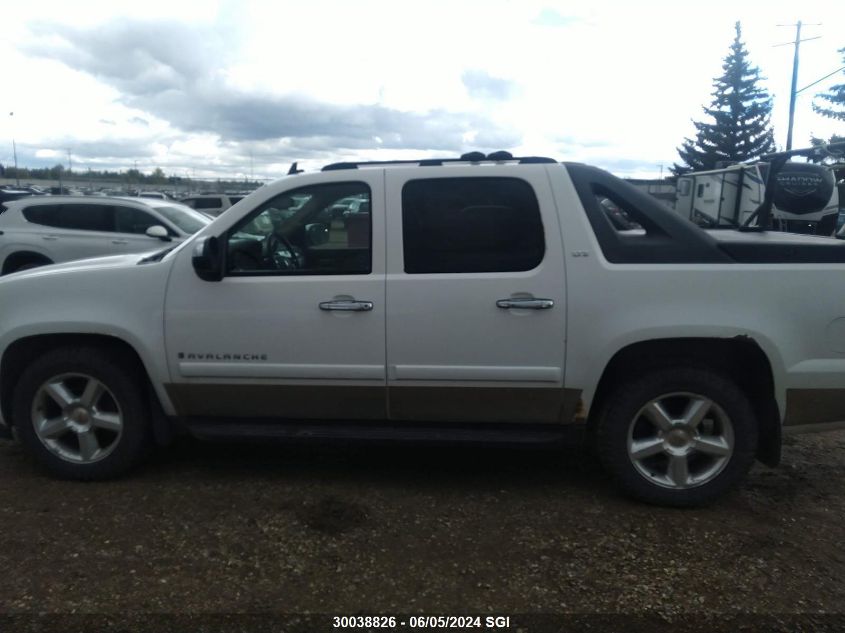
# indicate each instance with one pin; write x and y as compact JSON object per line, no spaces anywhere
{"x":678,"y":436}
{"x":82,"y":414}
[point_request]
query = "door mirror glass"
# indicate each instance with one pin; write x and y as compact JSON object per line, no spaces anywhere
{"x":158,"y":231}
{"x":316,"y":233}
{"x":206,"y":259}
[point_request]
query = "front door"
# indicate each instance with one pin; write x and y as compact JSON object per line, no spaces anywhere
{"x":475,"y":297}
{"x":295,"y":329}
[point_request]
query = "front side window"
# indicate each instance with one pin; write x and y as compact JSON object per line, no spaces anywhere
{"x":471,"y":225}
{"x":302,"y":232}
{"x":129,"y":220}
{"x":80,"y":217}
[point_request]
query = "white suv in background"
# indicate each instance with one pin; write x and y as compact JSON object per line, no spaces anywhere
{"x":35,"y":231}
{"x":212,"y":204}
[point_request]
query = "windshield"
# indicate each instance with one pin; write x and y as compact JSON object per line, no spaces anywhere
{"x":184,"y":217}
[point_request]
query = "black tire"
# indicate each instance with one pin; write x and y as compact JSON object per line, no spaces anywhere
{"x":622,"y":408}
{"x":125,"y":386}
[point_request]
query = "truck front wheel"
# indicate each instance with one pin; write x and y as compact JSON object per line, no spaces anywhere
{"x":680,"y":436}
{"x":81,"y":413}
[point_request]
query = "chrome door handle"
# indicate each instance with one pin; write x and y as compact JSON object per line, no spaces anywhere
{"x":120,"y":241}
{"x":347,"y":305}
{"x":49,"y":238}
{"x":525,"y":304}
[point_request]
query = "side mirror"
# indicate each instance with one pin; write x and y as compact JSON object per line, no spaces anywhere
{"x":159,"y":232}
{"x":206,"y":259}
{"x":316,"y":234}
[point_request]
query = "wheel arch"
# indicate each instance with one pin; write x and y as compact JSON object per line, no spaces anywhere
{"x":22,"y":351}
{"x":15,"y":259}
{"x":740,"y":358}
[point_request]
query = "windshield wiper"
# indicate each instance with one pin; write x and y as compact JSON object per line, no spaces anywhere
{"x":156,"y":257}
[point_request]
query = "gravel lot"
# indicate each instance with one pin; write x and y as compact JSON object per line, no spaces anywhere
{"x":260,"y":529}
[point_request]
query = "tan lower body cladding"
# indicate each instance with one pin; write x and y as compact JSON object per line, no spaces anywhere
{"x":423,"y":404}
{"x":814,"y":406}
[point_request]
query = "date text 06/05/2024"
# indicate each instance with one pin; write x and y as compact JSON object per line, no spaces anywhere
{"x":421,"y":622}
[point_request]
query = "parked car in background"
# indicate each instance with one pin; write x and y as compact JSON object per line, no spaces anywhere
{"x":29,"y":189}
{"x":65,"y":191}
{"x":213,"y":204}
{"x":339,"y":208}
{"x":154,"y":195}
{"x":35,"y":231}
{"x":12,"y":194}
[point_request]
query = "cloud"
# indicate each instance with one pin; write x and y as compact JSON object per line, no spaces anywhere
{"x":626,"y":167}
{"x":569,"y":141}
{"x":177,"y":74}
{"x":481,"y":85}
{"x":146,"y":57}
{"x":550,"y":17}
{"x":239,"y":116}
{"x":102,"y":149}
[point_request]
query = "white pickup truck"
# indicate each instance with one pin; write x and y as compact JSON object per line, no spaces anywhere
{"x":489,"y":299}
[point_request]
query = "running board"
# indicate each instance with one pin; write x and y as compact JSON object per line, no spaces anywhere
{"x":436,"y":434}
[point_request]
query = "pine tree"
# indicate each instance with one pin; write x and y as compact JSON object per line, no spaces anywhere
{"x":831,"y":157}
{"x":741,"y":112}
{"x":836,"y":99}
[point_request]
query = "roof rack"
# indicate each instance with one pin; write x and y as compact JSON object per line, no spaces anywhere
{"x":471,"y":157}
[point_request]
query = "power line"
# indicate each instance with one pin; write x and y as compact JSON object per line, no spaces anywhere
{"x":820,"y":80}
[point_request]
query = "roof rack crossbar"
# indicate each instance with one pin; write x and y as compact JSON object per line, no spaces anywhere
{"x":438,"y":162}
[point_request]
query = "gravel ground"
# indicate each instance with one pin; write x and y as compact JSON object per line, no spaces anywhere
{"x":208,"y":528}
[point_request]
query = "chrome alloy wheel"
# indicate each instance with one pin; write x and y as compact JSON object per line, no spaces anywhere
{"x":77,"y":418}
{"x":680,"y":440}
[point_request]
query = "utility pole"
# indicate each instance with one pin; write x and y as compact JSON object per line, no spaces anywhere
{"x":793,"y":93}
{"x":15,"y":154}
{"x":69,"y":164}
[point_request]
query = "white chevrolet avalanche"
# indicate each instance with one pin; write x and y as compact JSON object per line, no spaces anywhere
{"x":482,"y":299}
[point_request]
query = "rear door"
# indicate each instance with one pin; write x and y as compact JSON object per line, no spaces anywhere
{"x":76,"y":230}
{"x":476,"y":303}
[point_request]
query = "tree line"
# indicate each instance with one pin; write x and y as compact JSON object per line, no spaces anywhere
{"x":738,"y":126}
{"x":59,"y":171}
{"x":129,"y":177}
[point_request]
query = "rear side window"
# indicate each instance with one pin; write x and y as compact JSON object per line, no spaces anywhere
{"x":80,"y":217}
{"x":471,"y":225}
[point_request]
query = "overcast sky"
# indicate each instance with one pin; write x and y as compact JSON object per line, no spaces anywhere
{"x":225,"y":88}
